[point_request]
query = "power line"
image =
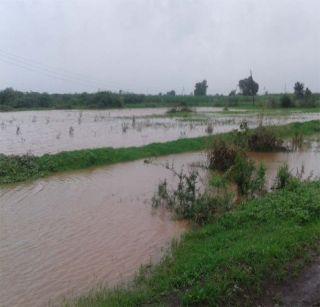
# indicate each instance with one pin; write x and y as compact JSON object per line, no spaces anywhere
{"x":26,"y":67}
{"x":62,"y":74}
{"x":48,"y":72}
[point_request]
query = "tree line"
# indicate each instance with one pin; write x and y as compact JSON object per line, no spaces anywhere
{"x":248,"y":87}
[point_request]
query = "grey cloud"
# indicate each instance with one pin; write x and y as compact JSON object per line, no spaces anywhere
{"x":158,"y":45}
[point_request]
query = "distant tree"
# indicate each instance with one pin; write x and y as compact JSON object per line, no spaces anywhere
{"x":7,"y":96}
{"x":44,"y":100}
{"x":308,"y":100}
{"x":249,"y":87}
{"x":201,"y":88}
{"x":307,"y":93}
{"x":299,"y":89}
{"x":232,"y":93}
{"x":233,"y":99}
{"x":171,"y":93}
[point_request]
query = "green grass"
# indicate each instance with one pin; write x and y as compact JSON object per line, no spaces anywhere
{"x":232,"y":261}
{"x":17,"y":169}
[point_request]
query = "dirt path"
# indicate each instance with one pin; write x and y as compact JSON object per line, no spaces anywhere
{"x":302,"y":291}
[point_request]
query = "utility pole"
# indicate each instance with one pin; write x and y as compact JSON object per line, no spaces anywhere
{"x":252,"y":87}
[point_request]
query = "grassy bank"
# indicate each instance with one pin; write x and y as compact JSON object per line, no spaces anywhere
{"x":22,"y":168}
{"x":232,"y":261}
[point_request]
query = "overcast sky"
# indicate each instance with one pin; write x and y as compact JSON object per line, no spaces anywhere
{"x":153,"y":46}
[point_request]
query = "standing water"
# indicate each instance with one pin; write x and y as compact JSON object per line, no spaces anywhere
{"x":67,"y":234}
{"x":40,"y":132}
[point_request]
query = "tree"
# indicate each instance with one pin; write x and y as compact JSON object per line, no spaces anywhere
{"x":233,"y":99}
{"x":299,"y":89}
{"x":171,"y":93}
{"x":307,"y":93}
{"x":309,"y":100}
{"x":201,"y":88}
{"x":249,"y":87}
{"x":7,"y":96}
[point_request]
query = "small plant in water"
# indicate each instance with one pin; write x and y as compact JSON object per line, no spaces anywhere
{"x":221,"y":155}
{"x":264,"y":139}
{"x":249,"y":179}
{"x":71,"y":131}
{"x":186,"y":201}
{"x":297,"y":141}
{"x":124,"y":127}
{"x":133,"y":121}
{"x":209,"y":128}
{"x":283,"y":177}
{"x":18,"y":130}
{"x":80,"y":118}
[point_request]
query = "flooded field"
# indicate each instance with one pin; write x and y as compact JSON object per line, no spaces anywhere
{"x":64,"y":235}
{"x":40,"y":132}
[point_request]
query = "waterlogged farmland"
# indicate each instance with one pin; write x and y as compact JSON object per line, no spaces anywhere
{"x":41,"y":132}
{"x":66,"y":234}
{"x":72,"y":232}
{"x":69,"y":233}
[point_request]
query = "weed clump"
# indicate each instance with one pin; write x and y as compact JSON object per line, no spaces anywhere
{"x":264,"y":139}
{"x":283,"y":178}
{"x":17,"y":167}
{"x":186,"y":201}
{"x":180,"y":108}
{"x":250,"y":180}
{"x":222,"y":154}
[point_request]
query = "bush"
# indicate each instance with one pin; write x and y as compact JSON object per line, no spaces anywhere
{"x":221,"y":155}
{"x":250,"y":180}
{"x":286,"y":102}
{"x":17,"y":167}
{"x":187,"y":202}
{"x":180,"y":108}
{"x":283,"y":177}
{"x":264,"y":139}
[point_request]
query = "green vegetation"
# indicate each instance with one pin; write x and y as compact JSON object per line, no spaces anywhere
{"x":181,"y":108}
{"x":221,"y":154}
{"x":22,"y":168}
{"x":286,"y":101}
{"x":200,"y":88}
{"x":188,"y":202}
{"x":250,"y":180}
{"x":16,"y":100}
{"x":249,"y":87}
{"x":230,"y":262}
{"x":264,"y":139}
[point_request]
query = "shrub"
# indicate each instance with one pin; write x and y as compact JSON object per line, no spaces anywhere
{"x":179,"y":109}
{"x":17,"y":167}
{"x":286,"y":102}
{"x":187,"y":202}
{"x":297,"y":141}
{"x":221,"y":155}
{"x":283,"y":177}
{"x":250,"y":180}
{"x":264,"y":139}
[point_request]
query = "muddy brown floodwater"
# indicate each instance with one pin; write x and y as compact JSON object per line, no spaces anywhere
{"x":64,"y":235}
{"x":40,"y":132}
